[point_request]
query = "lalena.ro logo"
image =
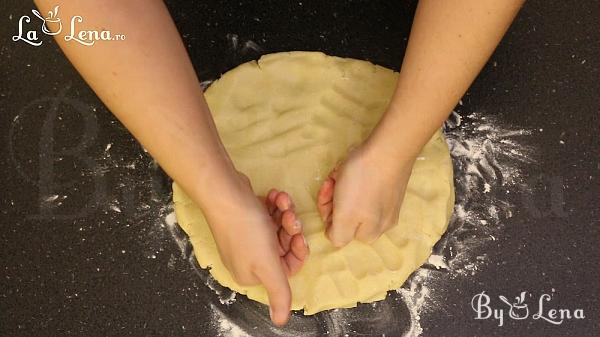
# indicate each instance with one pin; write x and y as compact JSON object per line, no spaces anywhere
{"x":53,"y":25}
{"x":540,"y":309}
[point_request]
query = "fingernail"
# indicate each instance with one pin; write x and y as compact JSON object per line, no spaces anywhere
{"x":305,"y":242}
{"x":297,"y":224}
{"x":270,"y":312}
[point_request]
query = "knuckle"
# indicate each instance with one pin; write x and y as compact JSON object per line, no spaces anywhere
{"x":367,"y":223}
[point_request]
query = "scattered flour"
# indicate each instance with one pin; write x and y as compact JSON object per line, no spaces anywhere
{"x":489,"y":160}
{"x":226,"y":327}
{"x":415,"y":297}
{"x":51,"y":198}
{"x":437,"y":261}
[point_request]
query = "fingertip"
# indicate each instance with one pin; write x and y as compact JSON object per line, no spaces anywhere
{"x":326,"y":191}
{"x":274,"y":279}
{"x":325,"y":200}
{"x":279,"y":317}
{"x":272,"y":195}
{"x":270,"y":201}
{"x":336,"y":239}
{"x":283,"y":201}
{"x":291,"y":223}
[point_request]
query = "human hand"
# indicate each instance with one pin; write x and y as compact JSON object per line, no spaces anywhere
{"x":260,"y":240}
{"x":361,"y":198}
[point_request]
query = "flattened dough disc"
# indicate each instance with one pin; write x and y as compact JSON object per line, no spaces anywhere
{"x":286,"y":120}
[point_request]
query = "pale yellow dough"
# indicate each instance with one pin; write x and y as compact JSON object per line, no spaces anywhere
{"x":286,"y":120}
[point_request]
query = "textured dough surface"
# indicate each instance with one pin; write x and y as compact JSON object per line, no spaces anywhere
{"x":286,"y":121}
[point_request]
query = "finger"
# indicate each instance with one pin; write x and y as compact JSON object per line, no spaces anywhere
{"x":280,"y":250}
{"x":294,"y":259}
{"x":273,"y":278}
{"x":290,"y":223}
{"x":284,"y":240}
{"x":270,"y":200}
{"x":325,"y":200}
{"x":283,"y":201}
{"x":299,"y":247}
{"x":276,"y":216}
{"x":341,"y":231}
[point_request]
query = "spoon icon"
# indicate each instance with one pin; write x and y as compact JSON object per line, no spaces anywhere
{"x":52,"y":19}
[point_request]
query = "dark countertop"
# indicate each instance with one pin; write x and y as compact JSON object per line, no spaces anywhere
{"x":84,"y":247}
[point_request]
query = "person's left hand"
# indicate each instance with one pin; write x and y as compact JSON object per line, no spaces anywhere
{"x":292,"y":245}
{"x":362,"y":196}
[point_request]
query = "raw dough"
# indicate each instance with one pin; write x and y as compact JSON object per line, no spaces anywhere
{"x":286,"y":120}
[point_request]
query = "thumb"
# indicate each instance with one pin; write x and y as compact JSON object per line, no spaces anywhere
{"x":273,"y":278}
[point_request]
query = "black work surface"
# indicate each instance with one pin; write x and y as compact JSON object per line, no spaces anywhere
{"x":83,"y":250}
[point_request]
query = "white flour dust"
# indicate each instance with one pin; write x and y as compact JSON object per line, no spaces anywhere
{"x":415,"y":294}
{"x":489,"y":160}
{"x":226,"y":327}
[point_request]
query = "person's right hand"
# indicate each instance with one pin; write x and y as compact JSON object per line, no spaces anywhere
{"x":260,"y":240}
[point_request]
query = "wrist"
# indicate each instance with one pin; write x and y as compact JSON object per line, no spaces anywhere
{"x":391,"y":163}
{"x":215,"y":184}
{"x":403,"y":131}
{"x":392,"y":146}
